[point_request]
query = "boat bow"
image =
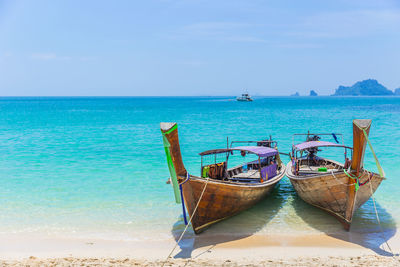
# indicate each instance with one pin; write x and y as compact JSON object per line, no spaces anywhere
{"x":172,"y":149}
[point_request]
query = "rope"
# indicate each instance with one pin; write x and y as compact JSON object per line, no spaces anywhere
{"x":361,"y":176}
{"x":357,"y":178}
{"x":366,"y":181}
{"x":381,"y":172}
{"x":190,"y":220}
{"x":373,"y":200}
{"x":379,"y":221}
{"x":378,"y":165}
{"x":339,"y":180}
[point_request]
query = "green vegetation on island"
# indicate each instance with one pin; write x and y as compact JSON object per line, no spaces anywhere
{"x":367,"y":87}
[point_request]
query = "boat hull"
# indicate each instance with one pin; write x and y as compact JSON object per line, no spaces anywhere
{"x":222,"y":199}
{"x":335,"y":193}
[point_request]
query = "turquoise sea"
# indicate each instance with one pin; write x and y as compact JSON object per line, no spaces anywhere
{"x":95,"y":167}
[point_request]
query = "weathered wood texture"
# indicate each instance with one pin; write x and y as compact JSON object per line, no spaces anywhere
{"x":331,"y":192}
{"x":357,"y":162}
{"x":359,"y":143}
{"x":336,"y":193}
{"x":221,"y":199}
{"x":174,"y":148}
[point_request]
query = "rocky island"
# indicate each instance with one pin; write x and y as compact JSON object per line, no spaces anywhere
{"x":368,"y":87}
{"x":313,"y":93}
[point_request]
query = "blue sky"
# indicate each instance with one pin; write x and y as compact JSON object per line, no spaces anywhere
{"x":196,"y":47}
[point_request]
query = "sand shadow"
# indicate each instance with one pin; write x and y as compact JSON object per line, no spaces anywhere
{"x":365,"y":229}
{"x":237,"y":227}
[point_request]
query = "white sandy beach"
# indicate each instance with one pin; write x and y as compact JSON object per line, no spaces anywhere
{"x":255,"y":250}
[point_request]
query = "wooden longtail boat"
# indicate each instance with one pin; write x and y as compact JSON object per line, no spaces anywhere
{"x":339,"y":189}
{"x":220,"y":192}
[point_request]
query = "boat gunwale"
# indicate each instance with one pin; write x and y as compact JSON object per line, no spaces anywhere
{"x":272,"y":181}
{"x":290,"y":174}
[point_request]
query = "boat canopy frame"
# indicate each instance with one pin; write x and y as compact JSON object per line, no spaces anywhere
{"x":296,"y":148}
{"x":267,"y":143}
{"x":262,"y":151}
{"x":258,"y":150}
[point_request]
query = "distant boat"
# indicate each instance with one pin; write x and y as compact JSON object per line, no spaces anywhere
{"x":221,"y":192}
{"x":245,"y":98}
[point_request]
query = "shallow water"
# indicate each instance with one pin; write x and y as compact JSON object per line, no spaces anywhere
{"x":96,"y":166}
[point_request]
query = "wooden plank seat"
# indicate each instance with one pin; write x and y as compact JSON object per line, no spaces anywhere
{"x":234,"y":171}
{"x":315,"y":171}
{"x":249,"y":176}
{"x":244,"y":180}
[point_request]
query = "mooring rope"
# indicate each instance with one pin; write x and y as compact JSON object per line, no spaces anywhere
{"x":361,"y":176}
{"x":370,"y":175}
{"x":339,"y":180}
{"x":190,"y":220}
{"x":378,"y":165}
{"x":356,"y":178}
{"x":382,"y":174}
{"x":379,"y":221}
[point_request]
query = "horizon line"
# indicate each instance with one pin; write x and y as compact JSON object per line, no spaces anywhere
{"x":148,"y":96}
